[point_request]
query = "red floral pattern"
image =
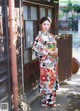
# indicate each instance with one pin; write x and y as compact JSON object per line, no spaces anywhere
{"x":43,"y":78}
{"x":43,"y":71}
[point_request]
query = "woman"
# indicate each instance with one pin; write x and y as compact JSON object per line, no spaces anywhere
{"x":45,"y":48}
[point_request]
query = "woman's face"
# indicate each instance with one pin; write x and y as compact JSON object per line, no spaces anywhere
{"x":45,"y":26}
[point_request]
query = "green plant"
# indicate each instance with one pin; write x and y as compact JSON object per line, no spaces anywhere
{"x":76,"y":8}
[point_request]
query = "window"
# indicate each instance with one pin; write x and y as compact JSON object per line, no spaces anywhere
{"x":33,"y":13}
{"x":29,"y":33}
{"x":50,"y":13}
{"x":42,"y":12}
{"x":45,"y":11}
{"x":31,"y":30}
{"x":30,"y":18}
{"x":25,"y":12}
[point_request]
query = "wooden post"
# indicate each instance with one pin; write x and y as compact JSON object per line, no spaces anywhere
{"x":13,"y":53}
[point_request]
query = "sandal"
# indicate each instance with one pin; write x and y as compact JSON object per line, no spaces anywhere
{"x":48,"y":105}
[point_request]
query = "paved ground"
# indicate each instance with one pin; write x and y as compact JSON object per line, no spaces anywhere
{"x":68,"y":95}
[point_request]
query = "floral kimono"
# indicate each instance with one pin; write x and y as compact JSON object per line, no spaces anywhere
{"x":48,"y":66}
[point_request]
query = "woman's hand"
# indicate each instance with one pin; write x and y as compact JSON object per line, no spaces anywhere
{"x":50,"y":52}
{"x":53,"y":53}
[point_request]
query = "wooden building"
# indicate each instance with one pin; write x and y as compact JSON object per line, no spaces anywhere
{"x":27,"y":16}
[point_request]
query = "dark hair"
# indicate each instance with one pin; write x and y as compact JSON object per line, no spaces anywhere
{"x":44,"y":19}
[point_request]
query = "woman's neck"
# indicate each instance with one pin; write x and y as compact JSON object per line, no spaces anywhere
{"x":45,"y":32}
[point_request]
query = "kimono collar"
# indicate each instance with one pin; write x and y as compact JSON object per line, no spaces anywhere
{"x":45,"y":33}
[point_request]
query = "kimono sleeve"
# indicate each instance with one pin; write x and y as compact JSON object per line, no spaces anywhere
{"x":38,"y":47}
{"x":55,"y":43}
